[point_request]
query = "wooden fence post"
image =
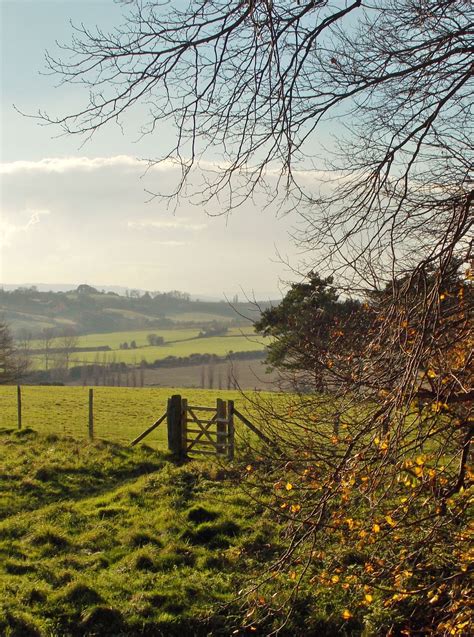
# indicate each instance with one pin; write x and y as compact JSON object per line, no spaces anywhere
{"x":18,"y":395}
{"x":221,"y":426}
{"x":231,"y":430}
{"x":91,"y":414}
{"x":174,"y":418}
{"x":184,"y":427}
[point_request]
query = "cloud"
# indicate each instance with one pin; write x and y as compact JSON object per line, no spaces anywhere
{"x":177,"y":224}
{"x":66,"y":164}
{"x":8,"y":230}
{"x":70,"y":164}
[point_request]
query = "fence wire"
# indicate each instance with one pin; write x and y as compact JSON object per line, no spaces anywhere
{"x":120,"y":414}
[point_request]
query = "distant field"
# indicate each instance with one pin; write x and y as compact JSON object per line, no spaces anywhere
{"x":120,"y":413}
{"x":199,"y":317}
{"x":113,"y":339}
{"x":178,"y":342}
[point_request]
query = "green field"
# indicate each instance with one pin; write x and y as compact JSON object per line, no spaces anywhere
{"x":120,"y":413}
{"x":99,"y":539}
{"x":178,"y":342}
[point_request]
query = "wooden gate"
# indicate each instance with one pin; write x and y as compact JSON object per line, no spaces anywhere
{"x":190,"y":432}
{"x":208,"y":430}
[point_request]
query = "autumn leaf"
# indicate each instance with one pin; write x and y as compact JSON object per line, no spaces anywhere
{"x":346,"y":614}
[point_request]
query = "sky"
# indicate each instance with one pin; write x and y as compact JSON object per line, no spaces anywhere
{"x":80,"y":213}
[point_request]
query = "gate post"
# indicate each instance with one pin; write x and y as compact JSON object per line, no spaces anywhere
{"x":174,"y":418}
{"x":221,"y":426}
{"x":231,"y":430}
{"x":184,"y":428}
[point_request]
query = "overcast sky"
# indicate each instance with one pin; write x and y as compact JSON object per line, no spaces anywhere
{"x":81,"y":214}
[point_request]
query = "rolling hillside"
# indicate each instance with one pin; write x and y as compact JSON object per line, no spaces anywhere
{"x":87,"y":310}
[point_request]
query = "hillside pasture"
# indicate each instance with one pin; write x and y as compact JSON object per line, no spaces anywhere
{"x":120,"y":413}
{"x":99,"y":539}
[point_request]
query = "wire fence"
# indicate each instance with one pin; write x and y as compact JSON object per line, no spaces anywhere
{"x":120,"y":414}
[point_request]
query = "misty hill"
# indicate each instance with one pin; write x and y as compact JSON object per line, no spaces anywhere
{"x":86,"y":309}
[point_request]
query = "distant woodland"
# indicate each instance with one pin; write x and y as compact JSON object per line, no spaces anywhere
{"x":86,"y":309}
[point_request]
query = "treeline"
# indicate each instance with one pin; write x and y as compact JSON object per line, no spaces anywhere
{"x":111,"y":372}
{"x":202,"y":359}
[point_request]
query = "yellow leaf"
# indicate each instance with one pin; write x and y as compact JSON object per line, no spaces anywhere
{"x":431,"y":373}
{"x":293,"y":575}
{"x":288,"y":486}
{"x":376,"y":528}
{"x":390,"y":520}
{"x":368,"y":598}
{"x":346,"y":614}
{"x":335,"y":579}
{"x":249,"y":467}
{"x":295,"y":508}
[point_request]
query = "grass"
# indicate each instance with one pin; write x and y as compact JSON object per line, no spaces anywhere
{"x":218,"y":345}
{"x":97,"y":538}
{"x":100,"y":539}
{"x":120,"y":413}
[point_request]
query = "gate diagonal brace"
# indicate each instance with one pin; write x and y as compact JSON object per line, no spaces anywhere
{"x":204,"y":429}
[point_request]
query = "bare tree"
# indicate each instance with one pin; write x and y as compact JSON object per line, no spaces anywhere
{"x":68,"y":342}
{"x":47,"y":341}
{"x":210,"y":373}
{"x":13,"y":364}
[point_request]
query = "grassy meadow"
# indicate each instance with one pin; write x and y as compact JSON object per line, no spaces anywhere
{"x":120,"y":413}
{"x":100,"y":539}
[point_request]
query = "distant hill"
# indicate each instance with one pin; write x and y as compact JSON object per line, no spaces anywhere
{"x":86,"y":309}
{"x":118,"y":289}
